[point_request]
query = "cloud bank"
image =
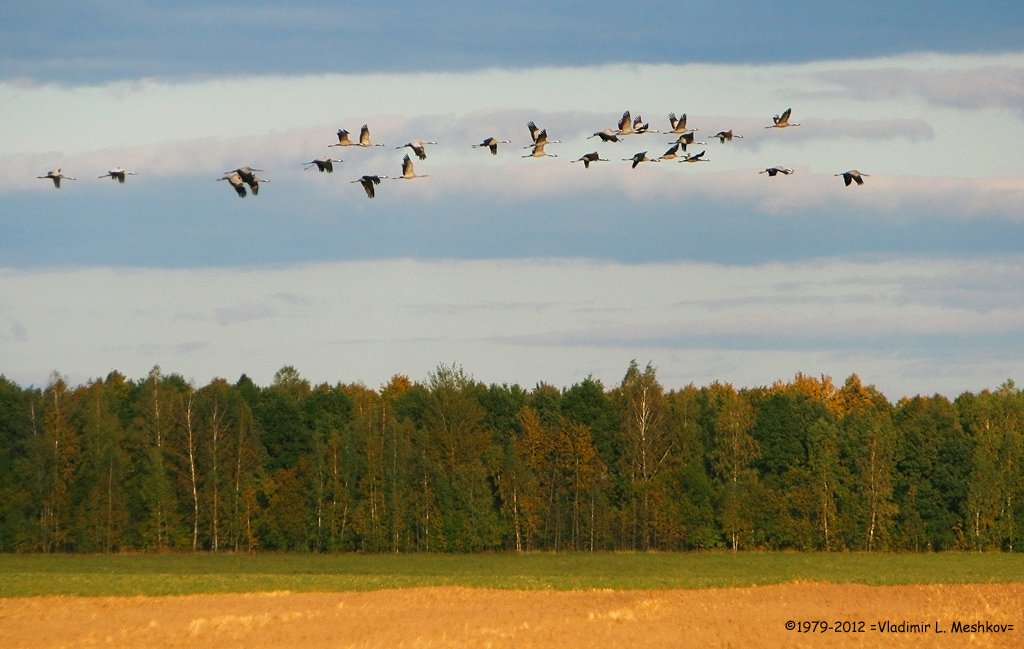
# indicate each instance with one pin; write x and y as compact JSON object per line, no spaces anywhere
{"x":920,"y":325}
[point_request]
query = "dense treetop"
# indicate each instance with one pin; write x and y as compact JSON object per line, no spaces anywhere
{"x":454,"y":464}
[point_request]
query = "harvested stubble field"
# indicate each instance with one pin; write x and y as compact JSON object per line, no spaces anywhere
{"x":545,"y":614}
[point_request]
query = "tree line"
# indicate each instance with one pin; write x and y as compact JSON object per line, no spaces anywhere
{"x":452,"y":464}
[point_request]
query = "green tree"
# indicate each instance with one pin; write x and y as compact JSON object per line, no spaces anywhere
{"x":397,"y":454}
{"x":101,"y":508}
{"x":286,"y":521}
{"x":61,"y":458}
{"x":158,"y":406}
{"x":20,"y":482}
{"x":244,"y":457}
{"x":645,"y":445}
{"x":459,"y":446}
{"x":996,"y":424}
{"x":370,"y":426}
{"x":278,"y":413}
{"x":784,"y":423}
{"x":933,"y":462}
{"x":828,"y":480}
{"x":334,"y":462}
{"x":587,"y":403}
{"x":870,"y":442}
{"x":733,"y":457}
{"x":686,"y":513}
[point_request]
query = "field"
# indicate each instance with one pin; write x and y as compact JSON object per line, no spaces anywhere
{"x":541,"y":600}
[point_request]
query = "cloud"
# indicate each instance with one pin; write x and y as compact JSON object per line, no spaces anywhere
{"x":246,"y":312}
{"x":980,"y":86}
{"x":524,"y":321}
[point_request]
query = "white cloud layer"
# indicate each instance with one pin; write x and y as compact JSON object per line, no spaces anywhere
{"x":935,"y":131}
{"x":909,"y":326}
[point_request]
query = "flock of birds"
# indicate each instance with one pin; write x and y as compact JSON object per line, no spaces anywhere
{"x":247,"y":177}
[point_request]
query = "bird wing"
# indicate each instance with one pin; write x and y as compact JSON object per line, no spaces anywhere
{"x":533,"y":130}
{"x":368,"y":182}
{"x":236,"y":182}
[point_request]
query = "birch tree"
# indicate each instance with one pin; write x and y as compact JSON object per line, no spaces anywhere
{"x":158,"y":405}
{"x":732,"y":458}
{"x":996,"y":424}
{"x":645,"y":445}
{"x":870,"y":439}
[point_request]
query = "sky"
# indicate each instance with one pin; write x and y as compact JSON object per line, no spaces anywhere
{"x":521,"y":270}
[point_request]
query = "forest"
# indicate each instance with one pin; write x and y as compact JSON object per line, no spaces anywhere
{"x":452,"y":464}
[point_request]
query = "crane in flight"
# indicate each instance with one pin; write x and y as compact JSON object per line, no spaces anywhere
{"x":671,"y":154}
{"x":782,"y":121}
{"x":696,"y":157}
{"x":606,"y":135}
{"x":419,"y":147}
{"x":686,"y":139}
{"x":236,"y":182}
{"x":323,"y":164}
{"x":249,"y":177}
{"x":492,"y":144}
{"x":640,"y":157}
{"x":540,"y":136}
{"x":408,"y":171}
{"x":118,"y":174}
{"x":678,"y":124}
{"x":364,"y":137}
{"x":726,"y":136}
{"x":773,"y":171}
{"x":56,"y":176}
{"x":852,"y":176}
{"x":343,"y":139}
{"x":538,"y":150}
{"x":369,"y":182}
{"x":625,"y":125}
{"x":587,"y":158}
{"x":640,"y":126}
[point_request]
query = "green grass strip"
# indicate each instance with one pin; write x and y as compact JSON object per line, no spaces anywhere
{"x":183,"y":574}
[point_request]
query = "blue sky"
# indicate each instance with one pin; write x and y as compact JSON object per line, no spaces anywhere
{"x":522,"y":270}
{"x":93,"y":42}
